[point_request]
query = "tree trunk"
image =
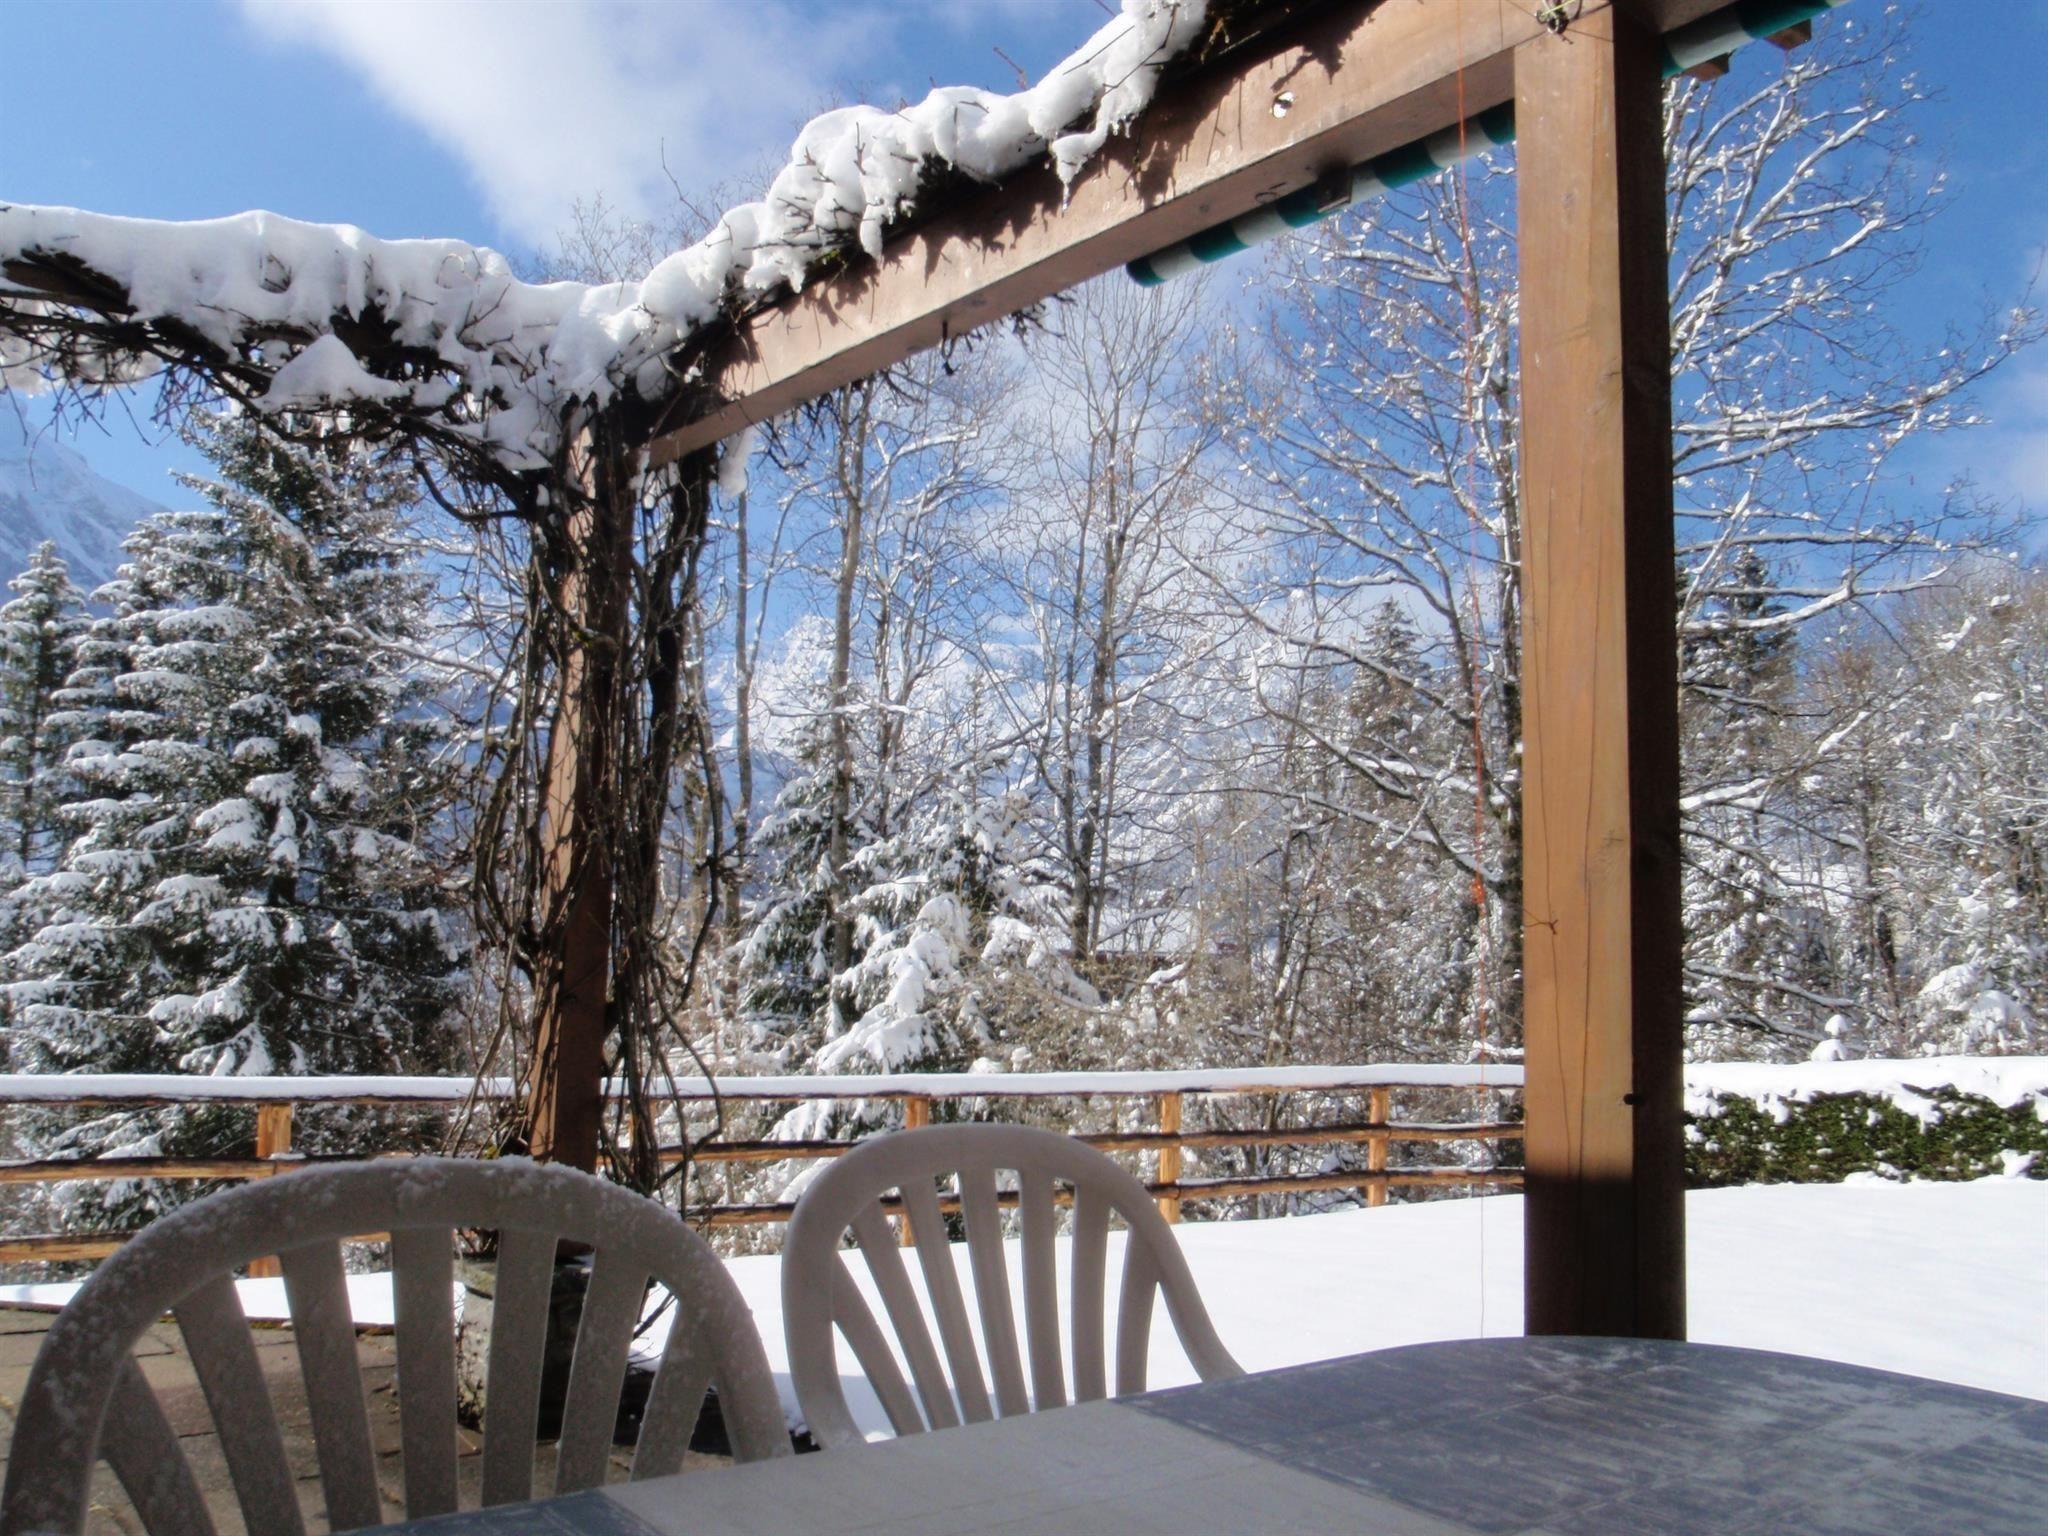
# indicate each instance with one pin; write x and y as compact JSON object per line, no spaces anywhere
{"x":743,"y":715}
{"x":852,"y":447}
{"x":1091,"y":862}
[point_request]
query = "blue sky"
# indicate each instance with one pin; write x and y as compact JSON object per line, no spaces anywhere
{"x":485,"y":119}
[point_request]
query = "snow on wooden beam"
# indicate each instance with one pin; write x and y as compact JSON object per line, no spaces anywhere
{"x":1330,"y":91}
{"x":2005,"y":1080}
{"x":172,"y":1088}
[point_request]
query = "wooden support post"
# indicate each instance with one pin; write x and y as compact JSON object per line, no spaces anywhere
{"x":1167,"y":1108}
{"x":1605,"y":1218}
{"x":917,"y":1112}
{"x":573,"y":966}
{"x":273,"y":1139}
{"x":1382,"y":1102}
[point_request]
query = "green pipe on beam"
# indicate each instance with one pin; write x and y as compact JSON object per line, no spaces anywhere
{"x":1724,"y":31}
{"x":1687,"y":48}
{"x":1397,"y":168}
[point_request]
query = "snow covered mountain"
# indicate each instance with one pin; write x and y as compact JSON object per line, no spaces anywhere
{"x":49,"y":491}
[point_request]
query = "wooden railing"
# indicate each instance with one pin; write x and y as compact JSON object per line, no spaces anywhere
{"x":1165,"y":1095}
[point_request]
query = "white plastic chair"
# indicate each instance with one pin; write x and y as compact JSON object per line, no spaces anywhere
{"x":819,"y":1294}
{"x":86,"y":1397}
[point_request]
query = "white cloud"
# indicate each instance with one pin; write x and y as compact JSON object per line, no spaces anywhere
{"x":546,"y":101}
{"x":2012,"y":457}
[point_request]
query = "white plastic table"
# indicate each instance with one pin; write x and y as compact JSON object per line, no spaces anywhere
{"x":1506,"y":1437}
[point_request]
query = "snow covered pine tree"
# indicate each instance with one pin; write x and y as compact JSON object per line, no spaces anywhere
{"x":39,"y":633}
{"x":960,"y":962}
{"x":258,"y":776}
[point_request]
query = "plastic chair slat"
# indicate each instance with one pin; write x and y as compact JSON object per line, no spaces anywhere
{"x":992,"y":1287}
{"x":519,"y":1325}
{"x":1041,"y":1292}
{"x":942,"y":1285}
{"x":878,"y":1246}
{"x":223,"y":1356}
{"x":324,"y":1326}
{"x":140,"y":1445}
{"x":423,"y":1301}
{"x":1090,"y":1264}
{"x":590,"y":1414}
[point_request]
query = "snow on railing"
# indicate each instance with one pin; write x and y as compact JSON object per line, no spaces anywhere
{"x":2002,"y":1079}
{"x":172,"y":1088}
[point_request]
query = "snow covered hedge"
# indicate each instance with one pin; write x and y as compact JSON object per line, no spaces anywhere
{"x":1818,"y":1123}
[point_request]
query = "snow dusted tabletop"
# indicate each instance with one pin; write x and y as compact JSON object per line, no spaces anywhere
{"x":1507,"y":1437}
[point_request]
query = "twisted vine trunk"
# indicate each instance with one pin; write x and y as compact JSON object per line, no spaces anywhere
{"x":622,"y":641}
{"x":572,"y":931}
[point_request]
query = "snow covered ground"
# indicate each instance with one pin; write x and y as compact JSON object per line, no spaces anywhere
{"x":1948,"y":1281}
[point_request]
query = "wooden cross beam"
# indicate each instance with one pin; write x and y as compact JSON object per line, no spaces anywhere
{"x":1340,"y":85}
{"x":1334,"y":88}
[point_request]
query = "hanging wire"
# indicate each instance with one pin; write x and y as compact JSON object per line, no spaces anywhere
{"x":1482,"y":957}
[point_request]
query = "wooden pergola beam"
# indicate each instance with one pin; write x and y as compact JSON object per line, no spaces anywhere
{"x":1332,"y":89}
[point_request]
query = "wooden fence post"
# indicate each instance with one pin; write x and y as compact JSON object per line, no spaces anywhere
{"x":1382,"y":1101}
{"x":917,"y":1112}
{"x":273,"y":1139}
{"x":1168,"y":1107}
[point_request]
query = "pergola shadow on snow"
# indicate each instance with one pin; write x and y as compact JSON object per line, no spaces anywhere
{"x":1293,"y":96}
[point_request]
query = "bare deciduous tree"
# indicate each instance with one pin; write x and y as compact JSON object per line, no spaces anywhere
{"x":1384,"y":422}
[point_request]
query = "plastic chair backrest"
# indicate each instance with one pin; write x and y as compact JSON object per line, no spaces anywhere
{"x":86,"y":1397}
{"x":819,"y":1294}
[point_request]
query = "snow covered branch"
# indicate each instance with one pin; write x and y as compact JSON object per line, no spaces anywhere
{"x":441,"y":343}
